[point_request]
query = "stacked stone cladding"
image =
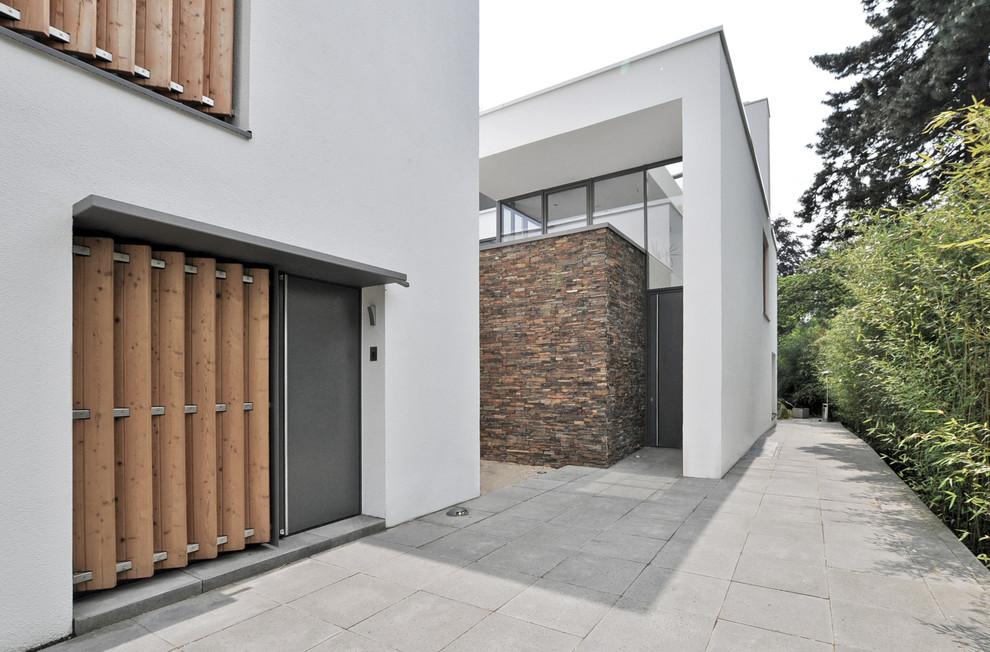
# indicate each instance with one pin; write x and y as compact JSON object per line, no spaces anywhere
{"x":562,"y":350}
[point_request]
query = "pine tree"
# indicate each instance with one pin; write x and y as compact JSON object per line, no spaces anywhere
{"x":927,"y":56}
{"x":790,"y":249}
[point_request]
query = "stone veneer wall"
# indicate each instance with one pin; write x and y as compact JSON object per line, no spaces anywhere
{"x":563,"y":323}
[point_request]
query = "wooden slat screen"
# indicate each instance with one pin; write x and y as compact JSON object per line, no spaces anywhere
{"x":156,"y":43}
{"x":219,"y":56}
{"x":78,"y":19}
{"x":93,"y":537}
{"x":35,"y":16}
{"x":230,"y":395}
{"x":201,"y":391}
{"x":132,"y":390}
{"x":116,"y":28}
{"x":153,"y":42}
{"x":256,"y":320}
{"x":188,"y":62}
{"x":168,"y":390}
{"x":178,"y":352}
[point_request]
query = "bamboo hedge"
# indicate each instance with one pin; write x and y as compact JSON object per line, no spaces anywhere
{"x":909,"y":357}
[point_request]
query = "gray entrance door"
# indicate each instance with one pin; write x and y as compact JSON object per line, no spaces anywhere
{"x":664,"y":368}
{"x":322,"y":403}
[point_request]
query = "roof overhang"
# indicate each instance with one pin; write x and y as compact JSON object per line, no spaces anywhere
{"x":649,"y":135}
{"x":100,"y":215}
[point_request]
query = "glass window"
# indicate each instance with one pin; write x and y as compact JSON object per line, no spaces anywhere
{"x":567,"y":209}
{"x":522,"y":217}
{"x":665,"y":225}
{"x":487,"y":225}
{"x":619,"y":202}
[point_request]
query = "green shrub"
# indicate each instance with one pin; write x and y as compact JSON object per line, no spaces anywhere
{"x":909,"y":358}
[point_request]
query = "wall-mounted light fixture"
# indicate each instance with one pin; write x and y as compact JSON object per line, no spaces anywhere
{"x":372,"y":315}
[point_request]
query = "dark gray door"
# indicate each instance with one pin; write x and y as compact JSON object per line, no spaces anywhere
{"x":322,"y":403}
{"x":664,"y":368}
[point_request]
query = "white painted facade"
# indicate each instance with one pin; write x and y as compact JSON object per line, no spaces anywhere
{"x":679,"y":101}
{"x":364,"y":123}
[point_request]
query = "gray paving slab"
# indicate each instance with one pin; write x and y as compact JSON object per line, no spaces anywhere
{"x":734,"y":637}
{"x":911,"y":596}
{"x":466,"y":544}
{"x":780,"y":611}
{"x":525,"y":558}
{"x":606,"y":574}
{"x":364,"y":554}
{"x":497,"y":633}
{"x":352,"y":600}
{"x":505,"y":525}
{"x":808,"y":577}
{"x":414,"y":533}
{"x":296,"y":580}
{"x":418,"y":568}
{"x":488,"y":587}
{"x":561,"y":606}
{"x":632,"y":626}
{"x":126,"y":636}
{"x":282,"y":628}
{"x":195,"y":618}
{"x":623,"y":546}
{"x":661,"y":588}
{"x":422,"y":622}
{"x":442,"y":518}
{"x":808,"y":543}
{"x":347,"y":641}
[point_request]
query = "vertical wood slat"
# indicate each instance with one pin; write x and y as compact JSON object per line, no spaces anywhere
{"x":132,"y":390}
{"x":35,"y":16}
{"x":201,"y":439}
{"x":168,"y":390}
{"x":189,"y":42}
{"x":256,"y":361}
{"x":78,"y":18}
{"x":153,"y":42}
{"x":116,"y":26}
{"x":230,"y":391}
{"x":93,"y":535}
{"x":219,"y":53}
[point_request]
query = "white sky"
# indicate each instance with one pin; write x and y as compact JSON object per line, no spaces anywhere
{"x":528,"y":45}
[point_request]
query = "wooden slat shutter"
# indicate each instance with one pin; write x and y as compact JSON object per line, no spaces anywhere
{"x":256,"y":333}
{"x":78,"y":19}
{"x":93,"y":537}
{"x":116,"y":27}
{"x":219,"y":53}
{"x":178,"y":349}
{"x":35,"y":16}
{"x":132,"y":390}
{"x":168,"y":390}
{"x":153,"y":42}
{"x":230,"y":393}
{"x":201,"y":391}
{"x":189,"y":34}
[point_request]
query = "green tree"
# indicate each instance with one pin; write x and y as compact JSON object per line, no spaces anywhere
{"x":806,"y":300}
{"x":926,"y":56}
{"x":790,"y":248}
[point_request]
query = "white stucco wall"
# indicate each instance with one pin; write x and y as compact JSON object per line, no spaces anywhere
{"x":758,"y":117}
{"x":748,"y":336}
{"x":365,"y":147}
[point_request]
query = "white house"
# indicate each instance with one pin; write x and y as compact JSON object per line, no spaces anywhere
{"x":611,"y":203}
{"x":342,"y":166}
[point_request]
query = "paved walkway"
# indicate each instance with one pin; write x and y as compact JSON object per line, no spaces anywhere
{"x":809,"y":543}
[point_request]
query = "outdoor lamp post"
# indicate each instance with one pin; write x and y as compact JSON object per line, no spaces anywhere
{"x":825,"y":375}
